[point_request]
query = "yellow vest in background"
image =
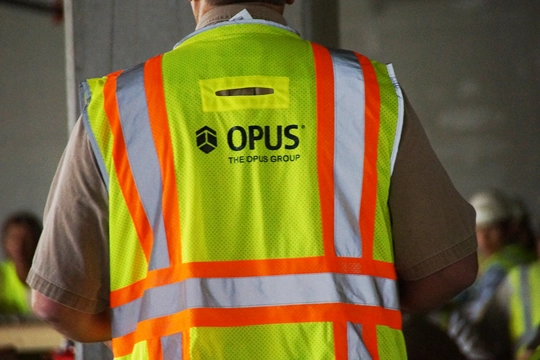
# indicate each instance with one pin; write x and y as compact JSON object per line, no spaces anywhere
{"x":13,"y":293}
{"x":524,"y":304}
{"x":250,"y":226}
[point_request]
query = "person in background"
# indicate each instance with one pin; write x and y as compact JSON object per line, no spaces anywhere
{"x":249,"y":195}
{"x":20,"y":236}
{"x":472,"y":326}
{"x":496,"y":247}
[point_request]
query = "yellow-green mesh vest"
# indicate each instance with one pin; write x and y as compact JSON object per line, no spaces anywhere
{"x":253,"y":180}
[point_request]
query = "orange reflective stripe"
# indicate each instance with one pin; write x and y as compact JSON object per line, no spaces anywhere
{"x":366,"y":267}
{"x":252,"y":268}
{"x":337,"y":313}
{"x":217,"y":269}
{"x":341,"y":349}
{"x":369,"y":186}
{"x":369,"y":335}
{"x":324,"y":72}
{"x":186,"y":354}
{"x":123,"y":169}
{"x":155,"y":95}
{"x":155,"y":351}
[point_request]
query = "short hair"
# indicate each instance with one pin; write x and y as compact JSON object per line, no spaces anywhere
{"x":27,"y":219}
{"x":229,"y":2}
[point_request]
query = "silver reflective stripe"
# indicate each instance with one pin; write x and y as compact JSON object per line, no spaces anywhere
{"x":299,"y":289}
{"x":526,"y":298}
{"x":356,"y":347}
{"x":525,"y":295}
{"x":348,"y":152}
{"x":85,"y":95}
{"x":172,"y":346}
{"x":401,"y":114}
{"x":143,"y":157}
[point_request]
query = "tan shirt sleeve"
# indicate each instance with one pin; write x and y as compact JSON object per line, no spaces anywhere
{"x":432,"y":225}
{"x":71,"y":263}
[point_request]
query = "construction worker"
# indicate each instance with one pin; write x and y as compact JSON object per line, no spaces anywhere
{"x":497,"y":249}
{"x":20,"y":236}
{"x":249,"y":195}
{"x":479,"y":334}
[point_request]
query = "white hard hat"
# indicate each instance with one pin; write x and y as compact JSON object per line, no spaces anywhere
{"x":491,"y":207}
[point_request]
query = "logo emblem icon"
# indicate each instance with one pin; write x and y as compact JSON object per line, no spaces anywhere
{"x":206,"y":139}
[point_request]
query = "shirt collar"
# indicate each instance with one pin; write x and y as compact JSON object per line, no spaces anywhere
{"x":227,"y":12}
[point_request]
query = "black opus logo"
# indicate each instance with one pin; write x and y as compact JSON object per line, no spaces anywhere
{"x":245,"y":138}
{"x":206,"y":139}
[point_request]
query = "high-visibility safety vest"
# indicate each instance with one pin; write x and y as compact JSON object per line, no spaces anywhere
{"x":251,"y":226}
{"x":507,"y":258}
{"x":13,"y":293}
{"x":524,"y":304}
{"x":493,"y":271}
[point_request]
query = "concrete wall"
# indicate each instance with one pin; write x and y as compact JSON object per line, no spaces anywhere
{"x":33,"y":123}
{"x":472,"y":70}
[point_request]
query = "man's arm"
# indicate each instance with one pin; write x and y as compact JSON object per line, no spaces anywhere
{"x":433,"y":226}
{"x":70,"y":270}
{"x":436,"y":289}
{"x":73,"y":324}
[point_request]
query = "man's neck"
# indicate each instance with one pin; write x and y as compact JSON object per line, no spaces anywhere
{"x":224,"y":13}
{"x":201,"y":7}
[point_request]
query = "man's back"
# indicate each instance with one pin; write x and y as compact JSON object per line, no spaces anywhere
{"x":266,"y":214}
{"x":266,"y":217}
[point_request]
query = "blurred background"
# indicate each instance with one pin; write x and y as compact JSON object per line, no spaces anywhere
{"x":471,"y":69}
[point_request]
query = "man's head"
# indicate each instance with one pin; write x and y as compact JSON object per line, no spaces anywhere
{"x":200,"y":7}
{"x":492,"y":221}
{"x":20,"y":236}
